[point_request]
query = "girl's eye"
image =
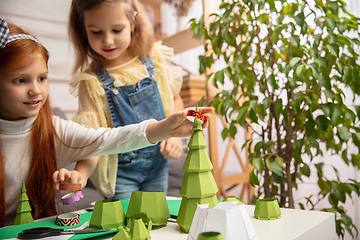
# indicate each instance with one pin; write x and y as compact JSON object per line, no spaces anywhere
{"x":19,"y":81}
{"x":117,"y":30}
{"x":95,"y":32}
{"x":41,"y":79}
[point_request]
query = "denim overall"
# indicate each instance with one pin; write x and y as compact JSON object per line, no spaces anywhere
{"x":144,"y":169}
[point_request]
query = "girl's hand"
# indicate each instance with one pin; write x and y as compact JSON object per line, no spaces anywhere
{"x":66,"y":176}
{"x":180,"y":126}
{"x":171,"y":148}
{"x":176,"y":125}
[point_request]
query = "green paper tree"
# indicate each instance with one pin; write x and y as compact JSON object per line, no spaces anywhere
{"x":23,"y":212}
{"x":198,"y":185}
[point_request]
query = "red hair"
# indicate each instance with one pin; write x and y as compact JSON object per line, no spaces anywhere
{"x":40,"y":189}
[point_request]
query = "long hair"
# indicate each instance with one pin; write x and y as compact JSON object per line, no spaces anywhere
{"x":15,"y":56}
{"x":142,"y":38}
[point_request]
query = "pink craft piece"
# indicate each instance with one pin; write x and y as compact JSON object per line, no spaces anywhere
{"x":71,"y":197}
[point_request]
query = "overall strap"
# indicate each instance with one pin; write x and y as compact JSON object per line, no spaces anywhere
{"x":149,"y":66}
{"x":106,"y":80}
{"x":108,"y":84}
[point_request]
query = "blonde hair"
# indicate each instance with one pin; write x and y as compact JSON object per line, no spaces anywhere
{"x":142,"y":39}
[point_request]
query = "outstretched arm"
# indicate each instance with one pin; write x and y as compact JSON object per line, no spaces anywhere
{"x":172,"y":148}
{"x":176,"y":125}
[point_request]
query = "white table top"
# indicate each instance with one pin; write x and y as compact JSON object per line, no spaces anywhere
{"x":293,"y":224}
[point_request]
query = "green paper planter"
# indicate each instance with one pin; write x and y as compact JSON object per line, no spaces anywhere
{"x":234,"y":199}
{"x":210,"y":236}
{"x":153,"y":204}
{"x":108,"y":213}
{"x":267,"y":209}
{"x":188,"y":208}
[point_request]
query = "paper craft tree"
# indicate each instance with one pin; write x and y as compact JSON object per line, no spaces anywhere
{"x":198,"y":185}
{"x":23,"y":212}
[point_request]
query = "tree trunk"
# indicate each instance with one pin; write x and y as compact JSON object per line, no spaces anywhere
{"x":289,"y":186}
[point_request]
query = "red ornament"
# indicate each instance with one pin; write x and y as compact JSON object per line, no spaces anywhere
{"x":191,"y":114}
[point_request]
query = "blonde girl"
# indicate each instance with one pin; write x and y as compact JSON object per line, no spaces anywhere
{"x":35,"y":145}
{"x":125,"y":78}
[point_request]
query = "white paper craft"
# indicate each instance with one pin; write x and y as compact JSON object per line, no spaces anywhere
{"x":228,"y":218}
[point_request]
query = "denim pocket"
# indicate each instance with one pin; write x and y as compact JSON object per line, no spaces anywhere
{"x":144,"y":102}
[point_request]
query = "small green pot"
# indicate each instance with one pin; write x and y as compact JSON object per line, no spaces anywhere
{"x":108,"y":213}
{"x":267,"y":209}
{"x":153,"y":204}
{"x":210,"y":236}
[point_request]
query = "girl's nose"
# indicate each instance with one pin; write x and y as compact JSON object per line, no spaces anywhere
{"x":34,"y":90}
{"x":108,"y":39}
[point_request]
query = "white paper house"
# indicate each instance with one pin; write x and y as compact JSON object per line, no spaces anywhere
{"x":228,"y":218}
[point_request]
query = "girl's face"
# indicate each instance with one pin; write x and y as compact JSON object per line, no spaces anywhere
{"x":23,"y":94}
{"x":109,"y":33}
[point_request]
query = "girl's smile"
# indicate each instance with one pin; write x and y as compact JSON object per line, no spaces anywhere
{"x":22,"y":95}
{"x":109,"y":50}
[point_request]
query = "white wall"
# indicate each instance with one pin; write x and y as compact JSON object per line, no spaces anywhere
{"x":47,"y":20}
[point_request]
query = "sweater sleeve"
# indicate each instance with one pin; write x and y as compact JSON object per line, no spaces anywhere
{"x":80,"y":142}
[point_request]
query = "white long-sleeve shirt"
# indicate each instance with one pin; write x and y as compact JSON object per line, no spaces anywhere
{"x":16,"y":149}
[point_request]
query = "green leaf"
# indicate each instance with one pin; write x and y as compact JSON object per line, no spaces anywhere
{"x":258,"y":164}
{"x":314,"y":70}
{"x":347,"y":77}
{"x":325,"y":81}
{"x":306,"y":170}
{"x":295,"y":40}
{"x":321,"y":62}
{"x":224,"y":133}
{"x":254,"y":181}
{"x":272,"y":81}
{"x":294,"y":61}
{"x":334,"y":49}
{"x":343,"y":133}
{"x":322,"y":122}
{"x":309,"y":127}
{"x":336,"y":116}
{"x":300,"y":70}
{"x":267,"y":103}
{"x":275,"y":168}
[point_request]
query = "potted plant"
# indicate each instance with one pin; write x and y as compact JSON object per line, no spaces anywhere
{"x":293,"y":61}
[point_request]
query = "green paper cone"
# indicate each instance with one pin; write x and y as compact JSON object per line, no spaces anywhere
{"x":138,"y":230}
{"x":197,"y":141}
{"x":123,"y":234}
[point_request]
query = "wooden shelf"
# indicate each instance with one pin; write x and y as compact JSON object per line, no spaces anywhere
{"x":182,"y":41}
